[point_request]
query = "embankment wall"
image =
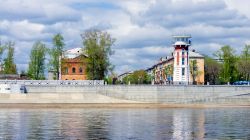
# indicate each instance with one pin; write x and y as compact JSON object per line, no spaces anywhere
{"x":238,"y":95}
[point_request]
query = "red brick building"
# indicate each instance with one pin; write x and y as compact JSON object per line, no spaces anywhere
{"x":73,"y":65}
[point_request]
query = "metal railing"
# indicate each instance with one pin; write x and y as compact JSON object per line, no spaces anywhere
{"x":54,"y":82}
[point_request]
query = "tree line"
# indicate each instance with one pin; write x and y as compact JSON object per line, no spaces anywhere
{"x":7,"y":64}
{"x":97,"y":47}
{"x":228,"y":66}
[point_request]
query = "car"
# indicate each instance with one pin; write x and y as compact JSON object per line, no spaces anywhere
{"x":241,"y":83}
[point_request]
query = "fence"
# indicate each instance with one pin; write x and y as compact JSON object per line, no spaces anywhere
{"x":54,"y":82}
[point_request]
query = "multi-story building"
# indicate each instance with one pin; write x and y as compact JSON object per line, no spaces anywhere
{"x":181,"y":59}
{"x":175,"y":69}
{"x":73,"y":65}
{"x":163,"y":71}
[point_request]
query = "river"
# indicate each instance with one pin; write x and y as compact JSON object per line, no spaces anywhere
{"x":125,"y":123}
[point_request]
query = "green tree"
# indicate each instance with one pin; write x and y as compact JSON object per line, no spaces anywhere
{"x":212,"y":70}
{"x":55,"y":54}
{"x":243,"y":64}
{"x":194,"y":71}
{"x":37,"y":61}
{"x":138,"y":77}
{"x":229,"y":71}
{"x":8,"y":63}
{"x":2,"y":48}
{"x":169,"y":72}
{"x":97,"y":46}
{"x":127,"y":79}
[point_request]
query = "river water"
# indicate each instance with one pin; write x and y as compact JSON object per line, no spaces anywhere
{"x":119,"y":124}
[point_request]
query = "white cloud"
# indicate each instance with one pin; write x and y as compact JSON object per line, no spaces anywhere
{"x":142,"y":28}
{"x":241,"y":6}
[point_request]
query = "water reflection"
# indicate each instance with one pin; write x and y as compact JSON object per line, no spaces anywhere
{"x":188,"y":124}
{"x":125,"y":124}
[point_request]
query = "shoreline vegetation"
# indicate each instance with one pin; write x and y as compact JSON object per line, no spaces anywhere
{"x":113,"y":105}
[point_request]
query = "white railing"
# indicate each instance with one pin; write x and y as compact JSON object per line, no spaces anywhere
{"x":54,"y":82}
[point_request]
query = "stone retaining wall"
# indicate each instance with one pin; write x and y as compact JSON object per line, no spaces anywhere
{"x":157,"y":94}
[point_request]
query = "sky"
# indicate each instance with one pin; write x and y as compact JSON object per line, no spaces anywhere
{"x":143,"y":29}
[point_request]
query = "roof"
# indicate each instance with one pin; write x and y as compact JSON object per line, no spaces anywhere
{"x":195,"y":55}
{"x":180,"y":43}
{"x":126,"y":73}
{"x":73,"y":53}
{"x":192,"y":54}
{"x":169,"y":58}
{"x":182,"y":36}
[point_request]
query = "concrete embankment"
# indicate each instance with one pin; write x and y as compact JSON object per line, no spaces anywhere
{"x":66,"y":98}
{"x":121,"y":94}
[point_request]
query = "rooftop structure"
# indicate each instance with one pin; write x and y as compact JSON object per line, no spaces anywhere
{"x":73,"y":53}
{"x":181,"y":46}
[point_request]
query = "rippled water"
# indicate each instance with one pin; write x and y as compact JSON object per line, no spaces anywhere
{"x":139,"y":124}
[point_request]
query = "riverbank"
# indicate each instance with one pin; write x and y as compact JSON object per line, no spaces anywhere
{"x":115,"y":105}
{"x":150,"y":96}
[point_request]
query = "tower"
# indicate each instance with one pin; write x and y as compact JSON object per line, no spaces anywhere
{"x":181,"y":44}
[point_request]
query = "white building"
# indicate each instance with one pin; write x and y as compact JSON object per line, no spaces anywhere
{"x":181,"y":46}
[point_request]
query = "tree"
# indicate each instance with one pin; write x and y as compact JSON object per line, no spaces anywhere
{"x":212,"y":70}
{"x":97,"y":46}
{"x":2,"y":48}
{"x":243,"y":64}
{"x":169,"y":72}
{"x":9,"y":67}
{"x":194,"y":71}
{"x":137,"y":77}
{"x":55,"y":54}
{"x":37,"y":61}
{"x":229,"y":71}
{"x":127,"y":79}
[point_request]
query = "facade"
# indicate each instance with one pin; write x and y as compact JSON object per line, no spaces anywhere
{"x":163,"y":71}
{"x":73,"y":65}
{"x":194,"y":56}
{"x":175,"y":69}
{"x":181,"y":59}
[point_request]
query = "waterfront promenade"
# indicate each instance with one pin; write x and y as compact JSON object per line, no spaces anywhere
{"x":79,"y":93}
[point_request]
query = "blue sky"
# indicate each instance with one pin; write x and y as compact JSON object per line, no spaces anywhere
{"x":142,"y":28}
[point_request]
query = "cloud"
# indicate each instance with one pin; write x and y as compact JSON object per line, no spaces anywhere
{"x":139,"y":58}
{"x":142,"y":29}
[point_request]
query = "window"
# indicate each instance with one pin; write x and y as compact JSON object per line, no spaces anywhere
{"x":66,"y":70}
{"x":80,"y":70}
{"x":183,"y":61}
{"x":183,"y":53}
{"x":183,"y":71}
{"x":73,"y":70}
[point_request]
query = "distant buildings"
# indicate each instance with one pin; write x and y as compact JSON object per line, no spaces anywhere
{"x":13,"y":77}
{"x":120,"y":77}
{"x":73,"y":65}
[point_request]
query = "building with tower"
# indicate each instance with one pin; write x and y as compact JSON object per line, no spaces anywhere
{"x":182,"y":67}
{"x":181,"y":71}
